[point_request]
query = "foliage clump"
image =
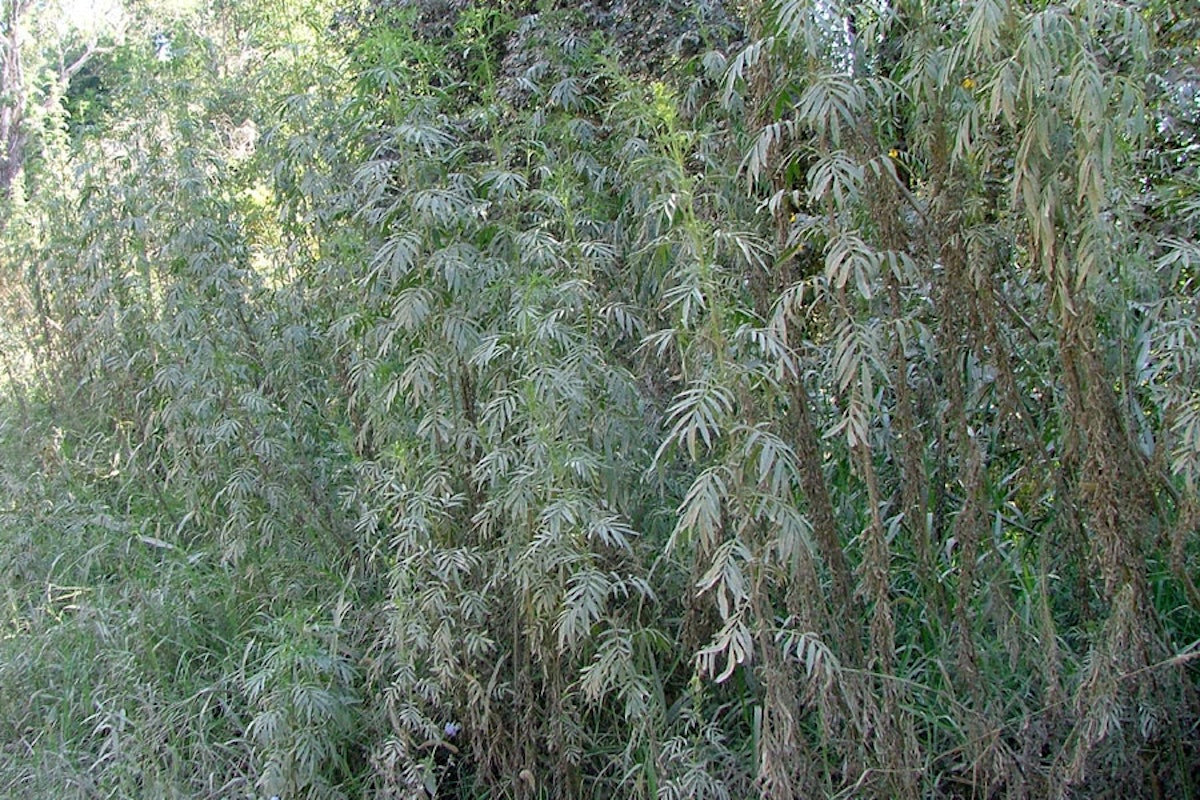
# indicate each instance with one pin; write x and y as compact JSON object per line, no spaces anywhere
{"x":454,"y":399}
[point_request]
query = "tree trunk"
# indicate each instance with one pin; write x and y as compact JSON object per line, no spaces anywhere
{"x":12,"y":97}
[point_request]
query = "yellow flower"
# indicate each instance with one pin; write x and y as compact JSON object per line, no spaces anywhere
{"x":968,"y":83}
{"x":893,"y":153}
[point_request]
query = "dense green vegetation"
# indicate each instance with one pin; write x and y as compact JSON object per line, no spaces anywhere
{"x":608,"y":399}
